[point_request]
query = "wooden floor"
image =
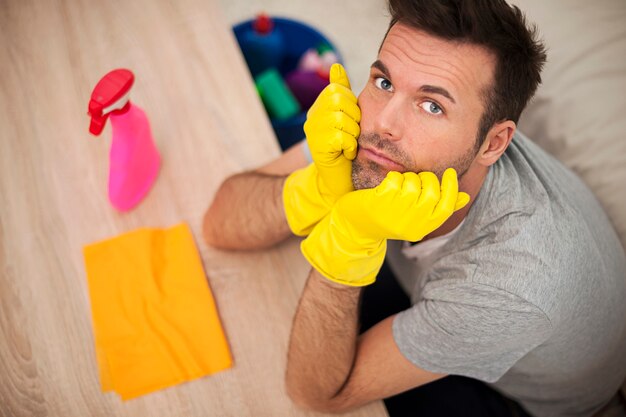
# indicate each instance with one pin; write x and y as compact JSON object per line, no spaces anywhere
{"x":207,"y":122}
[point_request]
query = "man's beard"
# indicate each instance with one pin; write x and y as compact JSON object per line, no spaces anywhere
{"x":368,"y":174}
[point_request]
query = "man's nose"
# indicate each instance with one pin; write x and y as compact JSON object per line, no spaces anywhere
{"x":387,"y":122}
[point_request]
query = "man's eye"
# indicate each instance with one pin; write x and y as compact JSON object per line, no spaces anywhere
{"x":383,"y":84}
{"x":431,"y":107}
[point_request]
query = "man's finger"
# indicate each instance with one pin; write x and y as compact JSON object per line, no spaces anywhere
{"x":338,"y":75}
{"x":349,"y":146}
{"x":461,"y":201}
{"x":392,"y":183}
{"x":336,"y":97}
{"x":341,"y":121}
{"x":352,"y":109}
{"x":431,"y":190}
{"x":342,"y":142}
{"x":449,"y":194}
{"x":412,"y":186}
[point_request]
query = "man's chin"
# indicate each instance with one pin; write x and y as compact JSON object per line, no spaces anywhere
{"x":367,"y":174}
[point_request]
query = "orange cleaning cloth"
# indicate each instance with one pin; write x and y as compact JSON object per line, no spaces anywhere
{"x":154,"y":317}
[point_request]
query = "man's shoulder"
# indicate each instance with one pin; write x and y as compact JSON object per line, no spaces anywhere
{"x":530,"y":192}
{"x":535,"y":226}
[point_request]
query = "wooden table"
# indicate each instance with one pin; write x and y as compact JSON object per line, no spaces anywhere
{"x":207,"y":122}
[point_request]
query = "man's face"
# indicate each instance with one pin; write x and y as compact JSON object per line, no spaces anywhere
{"x":421,"y":106}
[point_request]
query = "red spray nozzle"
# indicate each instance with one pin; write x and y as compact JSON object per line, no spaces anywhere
{"x":110,"y":94}
{"x":263,"y":24}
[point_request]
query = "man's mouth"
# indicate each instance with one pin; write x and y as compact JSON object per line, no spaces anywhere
{"x":381,"y":159}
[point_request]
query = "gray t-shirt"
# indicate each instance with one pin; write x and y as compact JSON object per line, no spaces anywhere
{"x":528,"y":294}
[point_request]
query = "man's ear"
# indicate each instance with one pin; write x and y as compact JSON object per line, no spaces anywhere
{"x":498,"y":139}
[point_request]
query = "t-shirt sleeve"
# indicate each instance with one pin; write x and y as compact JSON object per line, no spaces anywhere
{"x":470,"y":329}
{"x":306,"y":151}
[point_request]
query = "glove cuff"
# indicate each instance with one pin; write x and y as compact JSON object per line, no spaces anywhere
{"x":339,"y":258}
{"x":303,"y":202}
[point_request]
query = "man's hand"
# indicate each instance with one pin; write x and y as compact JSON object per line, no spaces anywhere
{"x":348,"y":246}
{"x":332,"y":129}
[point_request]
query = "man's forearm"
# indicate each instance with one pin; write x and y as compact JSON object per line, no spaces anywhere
{"x":247,"y":213}
{"x":323,"y":342}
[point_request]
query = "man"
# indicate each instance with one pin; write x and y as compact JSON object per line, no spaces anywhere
{"x":518,"y":279}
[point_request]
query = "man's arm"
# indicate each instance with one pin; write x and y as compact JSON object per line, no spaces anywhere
{"x":247,"y":211}
{"x":330,"y":368}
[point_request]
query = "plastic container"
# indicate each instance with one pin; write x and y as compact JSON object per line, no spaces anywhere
{"x":297,"y":39}
{"x":278,"y":99}
{"x":310,"y":61}
{"x":262,"y":45}
{"x":134,"y":159}
{"x":305,"y":86}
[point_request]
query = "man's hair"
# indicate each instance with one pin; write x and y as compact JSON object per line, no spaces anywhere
{"x":499,"y":28}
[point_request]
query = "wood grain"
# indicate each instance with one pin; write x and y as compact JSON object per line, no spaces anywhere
{"x":208,"y":123}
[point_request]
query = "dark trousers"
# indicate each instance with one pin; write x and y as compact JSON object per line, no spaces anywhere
{"x":452,"y":396}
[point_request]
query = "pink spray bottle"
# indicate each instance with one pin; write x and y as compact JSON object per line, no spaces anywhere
{"x":134,"y":159}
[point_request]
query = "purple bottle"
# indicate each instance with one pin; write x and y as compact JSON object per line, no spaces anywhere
{"x":305,"y":86}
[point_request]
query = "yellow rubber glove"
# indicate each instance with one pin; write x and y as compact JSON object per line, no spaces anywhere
{"x":348,"y":246}
{"x":332,"y":129}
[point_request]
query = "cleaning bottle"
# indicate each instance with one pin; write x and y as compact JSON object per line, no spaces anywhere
{"x":134,"y":159}
{"x":263,"y":46}
{"x":306,"y":86}
{"x":276,"y":96}
{"x":328,"y":57}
